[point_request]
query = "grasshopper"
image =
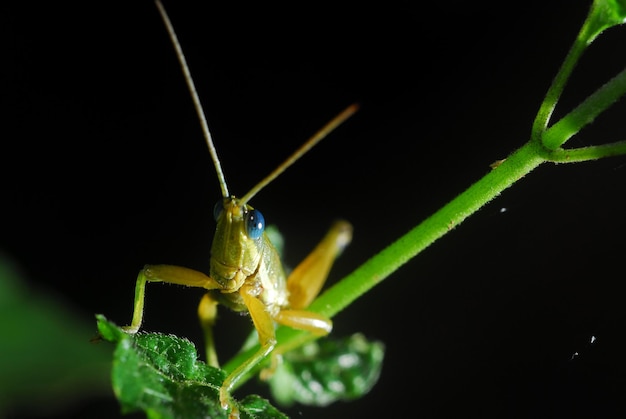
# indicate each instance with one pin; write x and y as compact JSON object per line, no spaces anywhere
{"x":246,"y":273}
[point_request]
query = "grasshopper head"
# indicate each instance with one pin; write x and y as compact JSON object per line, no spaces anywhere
{"x":237,"y":244}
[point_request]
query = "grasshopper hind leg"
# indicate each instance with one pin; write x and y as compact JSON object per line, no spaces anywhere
{"x":304,"y":284}
{"x":307,"y":279}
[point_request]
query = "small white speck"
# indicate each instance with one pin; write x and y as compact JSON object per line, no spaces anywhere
{"x":503,"y":209}
{"x":593,"y":339}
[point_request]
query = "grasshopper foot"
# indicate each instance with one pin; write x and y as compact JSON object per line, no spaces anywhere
{"x":228,"y":404}
{"x":131,"y":330}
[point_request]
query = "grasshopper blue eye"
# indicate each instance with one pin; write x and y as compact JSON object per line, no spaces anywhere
{"x":217,"y":209}
{"x":255,"y":224}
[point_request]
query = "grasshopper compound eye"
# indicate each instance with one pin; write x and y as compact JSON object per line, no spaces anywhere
{"x":255,"y":224}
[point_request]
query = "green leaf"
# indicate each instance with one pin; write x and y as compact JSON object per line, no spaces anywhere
{"x":47,"y":361}
{"x":161,"y":375}
{"x":604,"y":14}
{"x":324,"y":371}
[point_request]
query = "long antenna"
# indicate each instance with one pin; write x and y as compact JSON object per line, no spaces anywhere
{"x":195,"y":98}
{"x":316,"y":138}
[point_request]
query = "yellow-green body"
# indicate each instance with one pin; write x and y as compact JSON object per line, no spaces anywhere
{"x":247,"y":276}
{"x":235,"y":258}
{"x":245,"y":272}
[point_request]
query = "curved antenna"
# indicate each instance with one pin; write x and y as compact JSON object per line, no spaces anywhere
{"x":195,"y":98}
{"x":316,"y":138}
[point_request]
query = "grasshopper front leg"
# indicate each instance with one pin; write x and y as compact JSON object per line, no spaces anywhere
{"x":164,"y":273}
{"x":264,"y":325}
{"x":207,"y":313}
{"x":207,"y":310}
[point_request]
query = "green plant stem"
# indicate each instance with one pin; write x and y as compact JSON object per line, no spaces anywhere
{"x":602,"y":15}
{"x":408,"y":246}
{"x":390,"y":259}
{"x":556,"y":89}
{"x":543,"y":146}
{"x":581,"y":154}
{"x":585,"y":113}
{"x":585,"y":36}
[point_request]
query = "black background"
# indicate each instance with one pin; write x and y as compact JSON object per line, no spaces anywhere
{"x":104,"y":169}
